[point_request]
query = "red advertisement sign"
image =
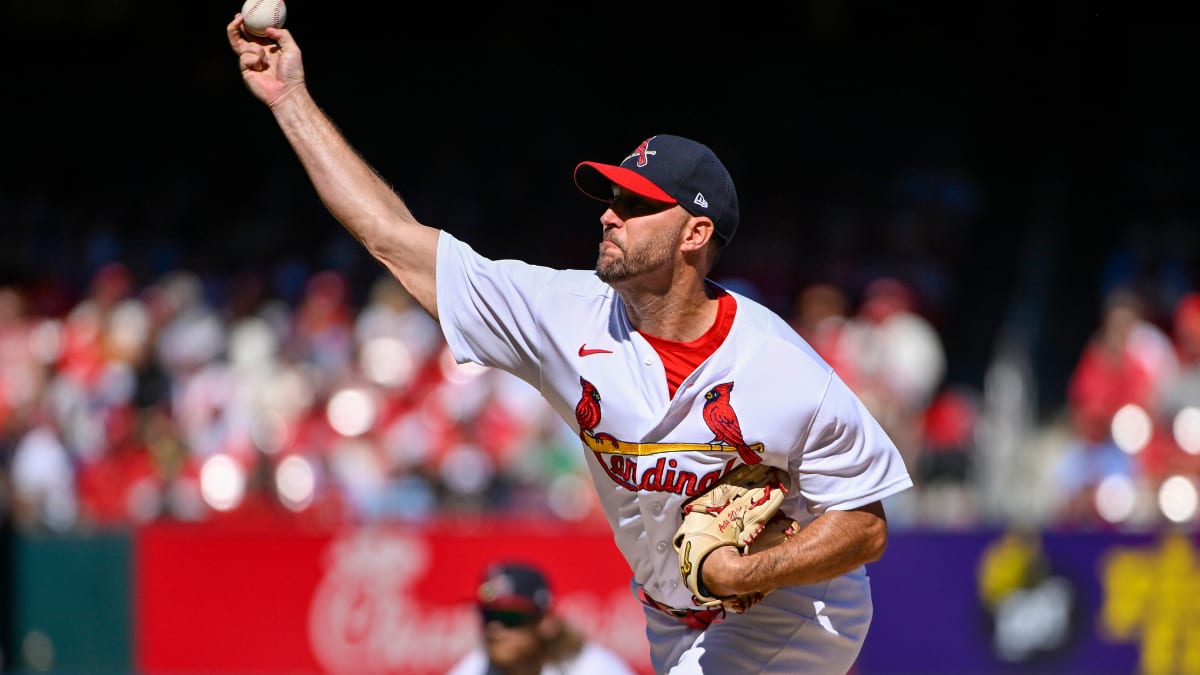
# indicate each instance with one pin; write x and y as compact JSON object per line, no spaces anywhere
{"x":366,"y":601}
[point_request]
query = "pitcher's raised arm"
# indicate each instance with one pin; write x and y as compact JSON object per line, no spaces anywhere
{"x":365,"y":204}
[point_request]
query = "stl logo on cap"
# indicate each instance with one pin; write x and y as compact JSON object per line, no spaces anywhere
{"x":642,"y":152}
{"x":684,"y":172}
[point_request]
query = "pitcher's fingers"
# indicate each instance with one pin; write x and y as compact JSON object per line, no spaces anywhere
{"x":234,"y":31}
{"x":282,"y":37}
{"x":252,"y":59}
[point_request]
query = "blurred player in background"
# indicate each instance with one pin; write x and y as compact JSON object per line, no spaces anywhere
{"x":524,"y":634}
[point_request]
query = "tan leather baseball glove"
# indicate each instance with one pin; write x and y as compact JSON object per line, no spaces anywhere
{"x":741,"y":510}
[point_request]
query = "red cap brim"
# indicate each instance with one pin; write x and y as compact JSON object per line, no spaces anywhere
{"x":596,"y":181}
{"x":512,"y":602}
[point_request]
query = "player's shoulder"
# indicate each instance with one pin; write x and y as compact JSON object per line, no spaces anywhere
{"x":474,"y":662}
{"x":582,"y":283}
{"x":596,"y":658}
{"x":775,"y":338}
{"x":461,"y":255}
{"x":762,"y":319}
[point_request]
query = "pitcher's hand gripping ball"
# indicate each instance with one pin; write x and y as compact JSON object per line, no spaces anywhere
{"x":740,"y":510}
{"x":259,"y":15}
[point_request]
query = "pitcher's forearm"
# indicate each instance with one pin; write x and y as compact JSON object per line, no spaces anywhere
{"x":358,"y":197}
{"x":829,"y":546}
{"x":352,"y":191}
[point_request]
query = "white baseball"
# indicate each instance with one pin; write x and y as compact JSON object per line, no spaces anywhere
{"x":260,"y":15}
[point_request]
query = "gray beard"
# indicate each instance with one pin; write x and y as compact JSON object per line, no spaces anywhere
{"x":652,"y":256}
{"x":614,"y":271}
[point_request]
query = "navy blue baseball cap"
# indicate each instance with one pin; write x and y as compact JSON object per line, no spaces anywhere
{"x":669,"y":169}
{"x":514,"y":585}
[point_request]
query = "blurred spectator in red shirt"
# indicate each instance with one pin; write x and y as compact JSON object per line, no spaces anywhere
{"x":121,"y":486}
{"x":945,"y":466}
{"x":820,"y":314}
{"x":898,"y":359}
{"x":1119,"y":370}
{"x":1177,"y":408}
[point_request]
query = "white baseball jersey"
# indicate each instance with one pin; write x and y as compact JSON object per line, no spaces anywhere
{"x":593,"y":659}
{"x":566,"y":333}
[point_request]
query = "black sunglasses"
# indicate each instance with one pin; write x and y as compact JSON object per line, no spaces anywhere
{"x":509,"y":618}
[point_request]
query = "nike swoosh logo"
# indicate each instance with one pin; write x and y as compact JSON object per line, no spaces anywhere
{"x":584,"y":351}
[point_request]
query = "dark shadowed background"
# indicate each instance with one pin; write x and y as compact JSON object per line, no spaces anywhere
{"x":1011,"y":164}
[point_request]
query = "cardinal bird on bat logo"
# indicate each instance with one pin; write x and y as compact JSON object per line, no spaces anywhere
{"x":619,"y":459}
{"x":587,"y":411}
{"x":723,"y":422}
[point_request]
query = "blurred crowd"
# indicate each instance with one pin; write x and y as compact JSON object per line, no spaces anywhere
{"x":134,"y":389}
{"x":1131,"y":456}
{"x":148,"y":402}
{"x":145,"y":401}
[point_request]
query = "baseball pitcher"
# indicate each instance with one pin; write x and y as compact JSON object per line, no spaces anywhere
{"x":742,"y":478}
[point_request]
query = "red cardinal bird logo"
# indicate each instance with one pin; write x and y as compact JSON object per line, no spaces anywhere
{"x":587,"y":411}
{"x":723,"y":421}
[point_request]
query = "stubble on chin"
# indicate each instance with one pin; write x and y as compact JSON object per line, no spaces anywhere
{"x":611,"y":270}
{"x":610,"y":266}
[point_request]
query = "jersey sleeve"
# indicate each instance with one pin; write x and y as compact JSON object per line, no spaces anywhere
{"x":848,"y":459}
{"x":487,"y":308}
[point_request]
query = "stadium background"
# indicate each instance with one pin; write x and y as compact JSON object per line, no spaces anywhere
{"x":1013,"y":165}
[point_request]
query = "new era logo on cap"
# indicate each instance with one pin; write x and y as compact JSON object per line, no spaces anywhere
{"x":671,"y":169}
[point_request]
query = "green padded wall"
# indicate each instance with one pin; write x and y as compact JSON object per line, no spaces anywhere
{"x":70,"y":610}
